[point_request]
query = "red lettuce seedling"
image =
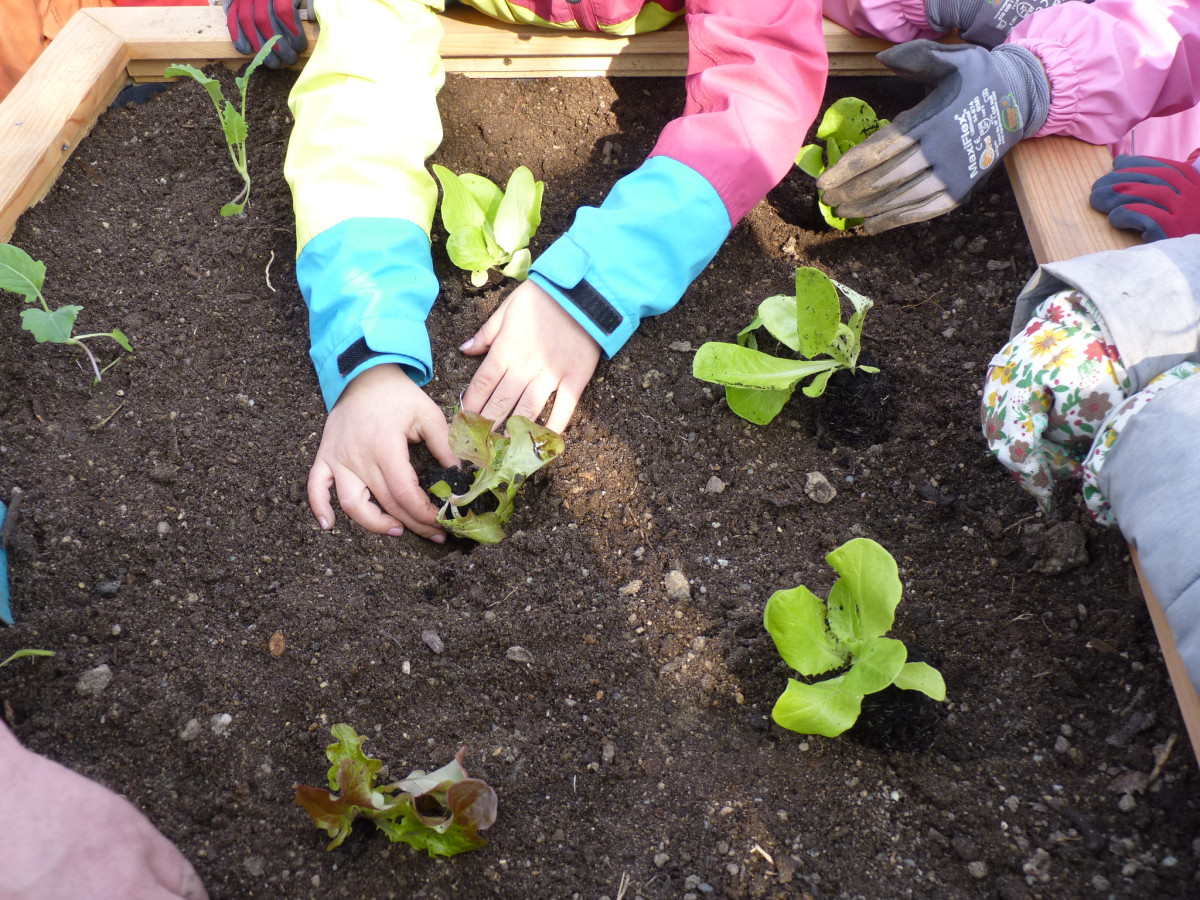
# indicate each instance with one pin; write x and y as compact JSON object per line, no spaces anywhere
{"x":503,"y":463}
{"x":815,"y":637}
{"x":847,"y":123}
{"x":22,"y":274}
{"x":439,"y":812}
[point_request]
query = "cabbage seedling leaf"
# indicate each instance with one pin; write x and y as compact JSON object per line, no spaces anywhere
{"x":919,"y":676}
{"x":862,"y":603}
{"x":818,"y":311}
{"x":758,"y":407}
{"x":512,"y":220}
{"x":20,"y":273}
{"x":55,"y":327}
{"x":461,"y":210}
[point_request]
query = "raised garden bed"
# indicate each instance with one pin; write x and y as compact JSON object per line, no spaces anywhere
{"x":165,"y":534}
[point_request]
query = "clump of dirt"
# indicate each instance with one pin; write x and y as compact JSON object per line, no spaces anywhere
{"x":854,"y":408}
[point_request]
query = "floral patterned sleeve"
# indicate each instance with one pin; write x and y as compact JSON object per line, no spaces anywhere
{"x":1049,"y":391}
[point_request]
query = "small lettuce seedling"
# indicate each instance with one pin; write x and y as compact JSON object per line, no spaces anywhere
{"x":815,"y":637}
{"x":233,"y":120}
{"x":757,"y":384}
{"x":503,"y":463}
{"x":847,"y":123}
{"x":439,"y":812}
{"x":22,"y":274}
{"x":489,"y":228}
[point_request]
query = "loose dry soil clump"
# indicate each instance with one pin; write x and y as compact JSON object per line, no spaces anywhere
{"x":166,"y":536}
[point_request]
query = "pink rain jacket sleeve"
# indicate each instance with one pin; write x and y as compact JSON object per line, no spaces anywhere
{"x":893,"y":20}
{"x":1114,"y":63}
{"x":756,"y":75}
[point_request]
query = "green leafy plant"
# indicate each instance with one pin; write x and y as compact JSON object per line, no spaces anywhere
{"x":815,"y":636}
{"x":20,"y":654}
{"x":22,"y":274}
{"x":490,"y":228}
{"x":757,"y":384}
{"x":233,"y":120}
{"x":503,"y":463}
{"x":440,"y":812}
{"x":847,"y":123}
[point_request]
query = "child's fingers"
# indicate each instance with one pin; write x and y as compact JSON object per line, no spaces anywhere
{"x":566,"y":398}
{"x":402,"y":496}
{"x":533,"y":399}
{"x":320,"y":480}
{"x":484,"y":383}
{"x":355,"y":497}
{"x":434,"y":432}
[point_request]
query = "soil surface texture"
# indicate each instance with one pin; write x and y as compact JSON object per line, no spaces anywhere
{"x":165,"y":535}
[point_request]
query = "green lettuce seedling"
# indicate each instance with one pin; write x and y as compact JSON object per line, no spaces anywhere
{"x":439,"y":812}
{"x":488,"y":228}
{"x":22,"y":274}
{"x":815,"y":637}
{"x":503,"y":463}
{"x":847,"y":123}
{"x":233,"y":120}
{"x":757,"y":384}
{"x":26,"y":652}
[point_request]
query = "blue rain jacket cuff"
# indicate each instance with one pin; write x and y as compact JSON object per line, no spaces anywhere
{"x":636,"y":254}
{"x":369,"y":286}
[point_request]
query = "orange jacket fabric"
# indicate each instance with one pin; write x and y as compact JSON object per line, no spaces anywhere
{"x":29,"y":25}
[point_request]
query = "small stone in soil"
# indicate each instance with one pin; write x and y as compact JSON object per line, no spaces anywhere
{"x":432,"y":641}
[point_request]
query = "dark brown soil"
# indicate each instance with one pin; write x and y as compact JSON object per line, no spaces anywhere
{"x":166,"y":535}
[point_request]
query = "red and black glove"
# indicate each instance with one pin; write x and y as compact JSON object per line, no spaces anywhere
{"x":253,"y":22}
{"x":1158,"y":197}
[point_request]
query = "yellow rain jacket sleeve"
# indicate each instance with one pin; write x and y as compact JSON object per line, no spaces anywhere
{"x":366,"y":119}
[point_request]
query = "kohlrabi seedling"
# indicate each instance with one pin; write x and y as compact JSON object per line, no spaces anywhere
{"x":233,"y":120}
{"x":815,"y":636}
{"x":502,"y":462}
{"x":22,"y":274}
{"x":489,"y":228}
{"x":757,"y":385}
{"x":439,"y":812}
{"x":847,"y":123}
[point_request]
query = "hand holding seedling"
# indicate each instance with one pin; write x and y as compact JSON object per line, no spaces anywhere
{"x":931,"y":157}
{"x":534,"y":349}
{"x":67,"y":836}
{"x":364,"y":452}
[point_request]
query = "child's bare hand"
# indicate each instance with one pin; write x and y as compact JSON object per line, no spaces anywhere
{"x":364,"y":452}
{"x":534,"y":349}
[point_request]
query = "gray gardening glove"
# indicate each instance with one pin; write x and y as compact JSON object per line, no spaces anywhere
{"x":930,"y":158}
{"x":983,"y":22}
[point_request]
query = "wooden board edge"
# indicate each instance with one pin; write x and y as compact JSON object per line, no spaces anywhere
{"x":51,"y":109}
{"x":1185,"y":691}
{"x":1052,"y":178}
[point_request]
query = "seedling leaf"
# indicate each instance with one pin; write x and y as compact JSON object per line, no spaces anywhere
{"x":460,"y":208}
{"x":20,"y":273}
{"x":869,"y":589}
{"x":511,"y":225}
{"x":846,"y":123}
{"x":795,"y":619}
{"x":817,"y":309}
{"x":52,"y":327}
{"x":758,"y":407}
{"x":824,"y":707}
{"x":26,"y":651}
{"x":919,"y":676}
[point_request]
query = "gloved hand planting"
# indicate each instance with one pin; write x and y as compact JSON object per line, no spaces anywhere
{"x":253,"y":22}
{"x":1049,"y":391}
{"x":983,"y":22}
{"x":931,"y":157}
{"x":1158,"y":197}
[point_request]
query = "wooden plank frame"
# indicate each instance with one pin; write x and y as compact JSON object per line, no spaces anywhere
{"x":58,"y":101}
